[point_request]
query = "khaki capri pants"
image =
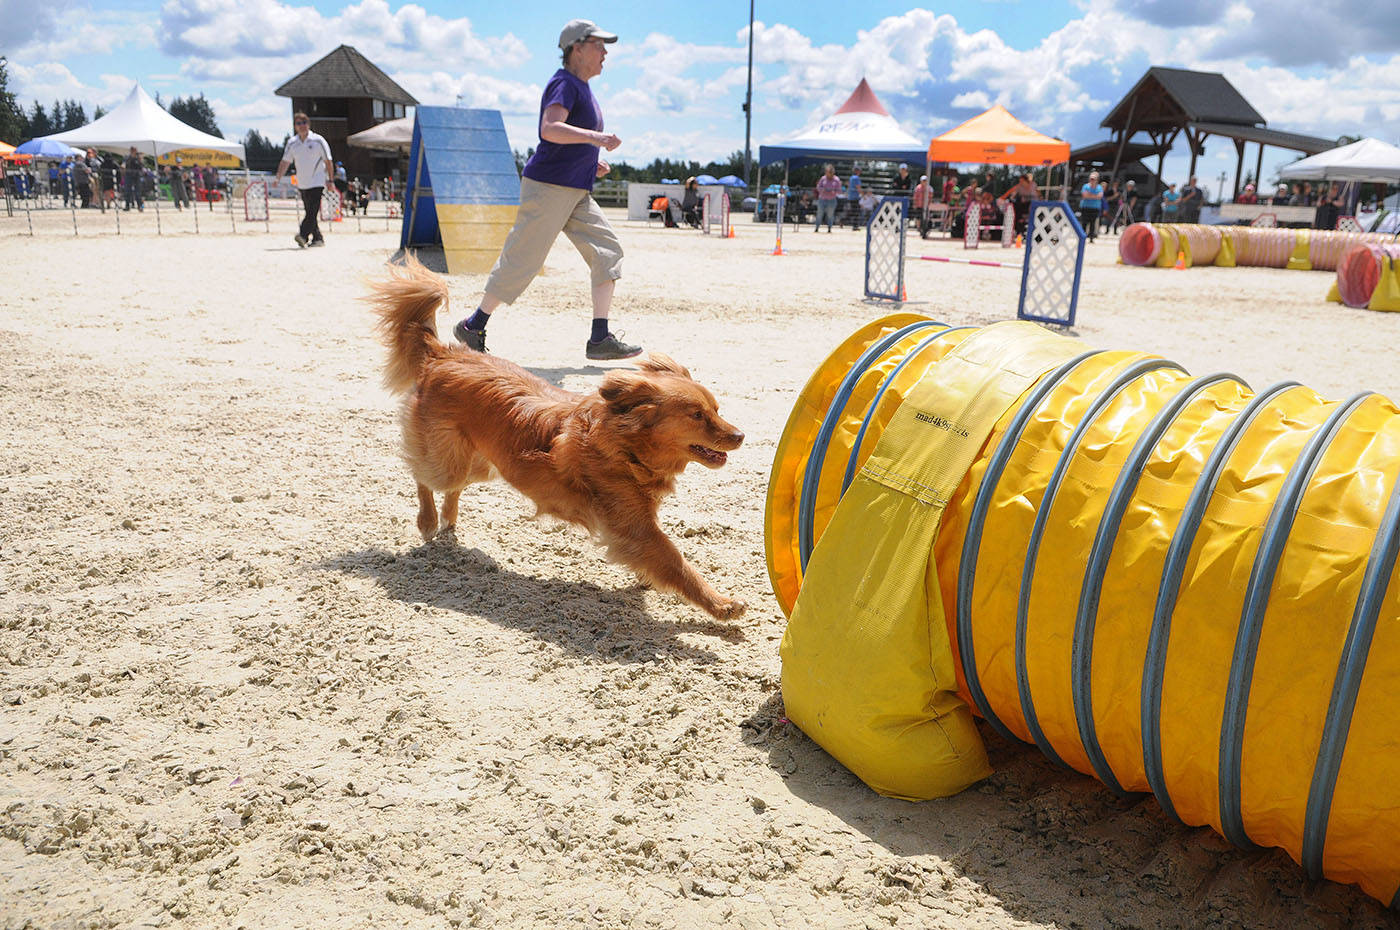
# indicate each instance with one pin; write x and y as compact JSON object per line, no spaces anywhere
{"x":545,"y":211}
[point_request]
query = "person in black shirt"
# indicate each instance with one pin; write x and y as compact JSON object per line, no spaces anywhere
{"x":902,"y":184}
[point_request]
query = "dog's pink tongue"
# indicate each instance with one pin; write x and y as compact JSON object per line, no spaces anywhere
{"x":711,"y":455}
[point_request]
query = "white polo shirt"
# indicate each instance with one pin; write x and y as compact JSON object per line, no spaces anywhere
{"x":308,"y":159}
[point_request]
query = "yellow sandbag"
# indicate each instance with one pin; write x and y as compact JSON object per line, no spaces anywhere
{"x":1225,"y":258}
{"x":1175,"y":584}
{"x":1300,"y":259}
{"x":1387,"y":293}
{"x":1166,"y":258}
{"x":867,"y":666}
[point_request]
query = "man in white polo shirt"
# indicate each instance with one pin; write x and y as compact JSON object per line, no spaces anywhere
{"x":312,"y":156}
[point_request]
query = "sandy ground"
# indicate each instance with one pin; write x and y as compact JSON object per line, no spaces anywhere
{"x":239,"y":691}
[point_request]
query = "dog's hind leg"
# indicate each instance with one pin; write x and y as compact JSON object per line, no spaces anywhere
{"x":427,"y":512}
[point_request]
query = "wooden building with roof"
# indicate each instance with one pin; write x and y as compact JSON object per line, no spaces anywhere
{"x":345,"y":93}
{"x":1165,"y":102}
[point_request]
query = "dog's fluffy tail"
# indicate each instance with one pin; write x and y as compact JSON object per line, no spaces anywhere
{"x":406,"y":303}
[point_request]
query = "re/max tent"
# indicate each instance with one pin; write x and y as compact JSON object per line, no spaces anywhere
{"x":997,"y":138}
{"x":861,"y":129}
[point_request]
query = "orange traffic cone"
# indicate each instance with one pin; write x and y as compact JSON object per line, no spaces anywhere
{"x":1180,"y":260}
{"x":902,"y":295}
{"x":778,"y":250}
{"x":731,"y":232}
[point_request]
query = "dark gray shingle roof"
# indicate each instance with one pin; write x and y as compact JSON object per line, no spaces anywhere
{"x":346,"y":73}
{"x":1202,"y":96}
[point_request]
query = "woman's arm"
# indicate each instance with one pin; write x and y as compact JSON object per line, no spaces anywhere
{"x":553,"y":128}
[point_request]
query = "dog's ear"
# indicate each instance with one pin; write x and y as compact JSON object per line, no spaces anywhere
{"x":660,"y":362}
{"x":626,"y":390}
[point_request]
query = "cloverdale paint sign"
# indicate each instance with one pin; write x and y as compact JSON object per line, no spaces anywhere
{"x":201,"y":157}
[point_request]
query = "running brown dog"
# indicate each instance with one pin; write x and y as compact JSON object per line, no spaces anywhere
{"x":603,"y":460}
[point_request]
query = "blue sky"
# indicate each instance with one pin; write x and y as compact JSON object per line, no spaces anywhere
{"x":674,"y":83}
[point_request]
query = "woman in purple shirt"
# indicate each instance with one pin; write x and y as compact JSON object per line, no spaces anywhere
{"x":556,"y":195}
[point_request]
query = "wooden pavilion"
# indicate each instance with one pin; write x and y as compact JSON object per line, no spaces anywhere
{"x":1165,"y":102}
{"x":345,"y":93}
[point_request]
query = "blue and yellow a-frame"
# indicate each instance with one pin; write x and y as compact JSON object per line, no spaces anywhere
{"x":463,"y":186}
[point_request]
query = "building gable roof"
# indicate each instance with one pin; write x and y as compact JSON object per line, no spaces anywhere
{"x":346,"y":73}
{"x":1176,"y":96}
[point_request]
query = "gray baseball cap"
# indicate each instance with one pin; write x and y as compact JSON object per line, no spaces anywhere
{"x":579,"y":29}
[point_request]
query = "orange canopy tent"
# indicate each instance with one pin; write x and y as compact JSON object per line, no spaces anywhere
{"x":997,"y":138}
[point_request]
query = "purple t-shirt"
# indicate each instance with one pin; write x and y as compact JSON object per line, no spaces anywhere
{"x":575,"y":164}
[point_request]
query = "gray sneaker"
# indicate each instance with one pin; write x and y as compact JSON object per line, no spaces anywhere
{"x":300,"y":240}
{"x":610,"y":348}
{"x":474,"y":339}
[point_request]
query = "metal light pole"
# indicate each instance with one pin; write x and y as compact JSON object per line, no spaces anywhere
{"x":748,"y":107}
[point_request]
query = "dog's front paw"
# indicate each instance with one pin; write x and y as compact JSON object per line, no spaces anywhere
{"x":728,"y":609}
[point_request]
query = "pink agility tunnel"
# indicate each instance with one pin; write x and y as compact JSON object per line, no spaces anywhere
{"x":1268,"y":247}
{"x":1264,"y":246}
{"x":1140,"y":244}
{"x":1359,"y":271}
{"x":1325,"y":254}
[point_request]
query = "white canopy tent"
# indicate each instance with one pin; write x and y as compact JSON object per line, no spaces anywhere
{"x":395,"y":135}
{"x":139,"y":121}
{"x":1369,"y":160}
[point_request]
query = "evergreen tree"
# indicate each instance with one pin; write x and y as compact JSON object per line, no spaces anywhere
{"x":260,"y":152}
{"x":12,"y":120}
{"x":196,"y":112}
{"x":74,"y":116}
{"x":39,"y":123}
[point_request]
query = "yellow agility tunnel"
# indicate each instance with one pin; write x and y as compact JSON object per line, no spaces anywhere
{"x":1175,"y":584}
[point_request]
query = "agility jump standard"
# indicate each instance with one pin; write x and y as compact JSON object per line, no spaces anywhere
{"x":1050,"y":271}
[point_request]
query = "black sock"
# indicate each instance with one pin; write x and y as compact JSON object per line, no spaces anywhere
{"x":600,"y":329}
{"x":478,"y":320}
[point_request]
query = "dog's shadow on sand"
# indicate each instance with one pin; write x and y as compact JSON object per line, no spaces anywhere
{"x":556,"y":376}
{"x":430,"y":257}
{"x":585,"y":619}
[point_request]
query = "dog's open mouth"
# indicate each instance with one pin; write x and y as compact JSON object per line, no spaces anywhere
{"x":711,"y":457}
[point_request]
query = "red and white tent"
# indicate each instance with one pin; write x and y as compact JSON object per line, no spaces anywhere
{"x":861,"y":129}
